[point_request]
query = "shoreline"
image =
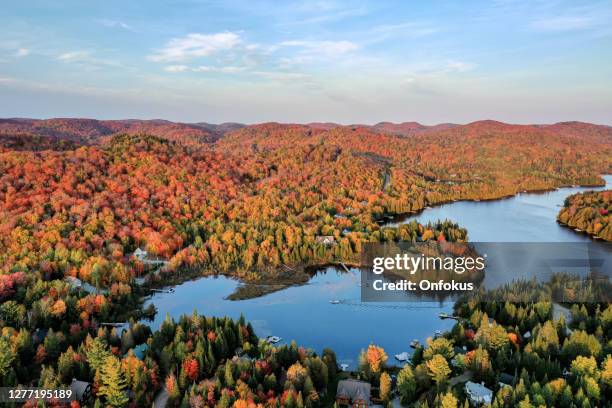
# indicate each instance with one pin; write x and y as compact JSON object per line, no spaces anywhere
{"x":304,"y":269}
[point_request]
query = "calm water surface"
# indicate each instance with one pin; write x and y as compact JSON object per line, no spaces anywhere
{"x":303,"y":313}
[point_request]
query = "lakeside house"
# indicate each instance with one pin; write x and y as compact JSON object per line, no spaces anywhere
{"x":353,"y":393}
{"x":148,"y":259}
{"x":81,"y":390}
{"x":326,"y":240}
{"x":75,"y":283}
{"x":478,"y":394}
{"x":140,"y":254}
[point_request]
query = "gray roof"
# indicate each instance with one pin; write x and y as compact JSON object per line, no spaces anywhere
{"x":80,"y":388}
{"x":478,"y":392}
{"x":354,"y":389}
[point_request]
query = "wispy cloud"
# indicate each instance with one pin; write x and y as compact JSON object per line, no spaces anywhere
{"x":196,"y":45}
{"x":459,"y":66}
{"x":22,"y":52}
{"x":323,"y":47}
{"x":176,"y":68}
{"x":562,"y":23}
{"x":283,"y":76}
{"x":117,"y":24}
{"x":406,"y":29}
{"x":75,"y":56}
{"x":204,"y":68}
{"x":87,"y":59}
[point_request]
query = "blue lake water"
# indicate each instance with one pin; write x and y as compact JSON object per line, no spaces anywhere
{"x":303,"y":313}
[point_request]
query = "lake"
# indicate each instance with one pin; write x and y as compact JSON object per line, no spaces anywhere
{"x":304,"y":313}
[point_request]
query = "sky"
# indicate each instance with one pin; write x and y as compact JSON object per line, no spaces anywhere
{"x":532,"y":61}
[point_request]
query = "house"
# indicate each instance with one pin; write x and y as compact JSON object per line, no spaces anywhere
{"x":75,"y":283}
{"x":527,"y":335}
{"x":326,"y":240}
{"x":353,"y":393}
{"x":81,"y":391}
{"x":339,"y":216}
{"x":478,"y":394}
{"x":140,"y":254}
{"x":140,"y":280}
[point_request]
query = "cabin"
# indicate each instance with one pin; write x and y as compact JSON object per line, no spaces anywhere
{"x":478,"y":394}
{"x":326,"y":240}
{"x":75,"y":283}
{"x":353,"y":393}
{"x":140,"y":254}
{"x":141,"y":280}
{"x":81,"y":391}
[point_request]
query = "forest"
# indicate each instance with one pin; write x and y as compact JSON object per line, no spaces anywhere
{"x":79,"y":197}
{"x":589,"y":212}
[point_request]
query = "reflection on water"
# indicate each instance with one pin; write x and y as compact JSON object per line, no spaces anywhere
{"x":305,"y":314}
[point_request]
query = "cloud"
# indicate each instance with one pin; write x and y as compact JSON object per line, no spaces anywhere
{"x":459,"y":66}
{"x":176,"y":68}
{"x":85,"y":58}
{"x":329,"y":48}
{"x":117,"y":24}
{"x":408,"y":29}
{"x":196,"y":45}
{"x":75,"y":56}
{"x":283,"y":76}
{"x":562,"y":23}
{"x":204,"y":68}
{"x":22,"y":52}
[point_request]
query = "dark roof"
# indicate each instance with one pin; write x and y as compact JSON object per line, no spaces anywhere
{"x":506,"y":378}
{"x":354,"y":389}
{"x":80,"y":388}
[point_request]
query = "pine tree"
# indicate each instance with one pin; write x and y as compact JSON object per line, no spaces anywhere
{"x":7,"y":355}
{"x":113,"y":383}
{"x":97,"y":352}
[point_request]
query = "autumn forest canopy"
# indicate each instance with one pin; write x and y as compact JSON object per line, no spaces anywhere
{"x":115,"y":205}
{"x":77,"y":197}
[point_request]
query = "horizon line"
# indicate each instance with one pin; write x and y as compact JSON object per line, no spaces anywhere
{"x":316,"y":122}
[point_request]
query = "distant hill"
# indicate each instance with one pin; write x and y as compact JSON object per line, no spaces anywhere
{"x":409,"y":128}
{"x":91,"y":131}
{"x":37,"y":134}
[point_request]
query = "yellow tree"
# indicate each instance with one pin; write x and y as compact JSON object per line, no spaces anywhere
{"x":385,"y":387}
{"x":113,"y":383}
{"x":438,"y":369}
